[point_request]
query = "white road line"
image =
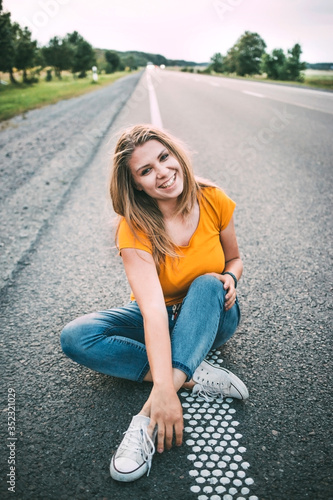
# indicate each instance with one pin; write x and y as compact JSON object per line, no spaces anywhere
{"x":217,"y":465}
{"x":300,"y":105}
{"x":286,"y":101}
{"x":155,"y":114}
{"x":253,"y":93}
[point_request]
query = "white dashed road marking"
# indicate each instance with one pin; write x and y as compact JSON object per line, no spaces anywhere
{"x":256,"y":94}
{"x":218,"y":468}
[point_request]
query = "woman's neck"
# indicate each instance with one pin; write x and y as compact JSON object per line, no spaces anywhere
{"x":168,"y":209}
{"x":181,"y":229}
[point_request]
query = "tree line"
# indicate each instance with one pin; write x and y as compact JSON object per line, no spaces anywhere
{"x":18,"y":51}
{"x":248,"y":56}
{"x":73,"y":53}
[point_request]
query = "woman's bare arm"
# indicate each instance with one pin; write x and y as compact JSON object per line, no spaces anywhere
{"x":166,"y":409}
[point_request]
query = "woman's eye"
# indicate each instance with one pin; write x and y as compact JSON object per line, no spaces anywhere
{"x":145,"y":171}
{"x":165,"y":156}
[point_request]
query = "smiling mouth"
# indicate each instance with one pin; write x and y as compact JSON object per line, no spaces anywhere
{"x":169,"y":183}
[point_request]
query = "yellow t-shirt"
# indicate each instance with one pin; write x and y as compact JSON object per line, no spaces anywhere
{"x":203,"y":254}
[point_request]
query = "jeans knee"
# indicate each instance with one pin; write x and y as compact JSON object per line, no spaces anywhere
{"x":65,"y":339}
{"x":70,"y":339}
{"x":208,"y":284}
{"x":210,"y":289}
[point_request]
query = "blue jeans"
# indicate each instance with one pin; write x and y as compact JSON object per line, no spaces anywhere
{"x":112,"y":341}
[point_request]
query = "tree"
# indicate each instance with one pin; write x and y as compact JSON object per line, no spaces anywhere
{"x":59,"y":54}
{"x":25,"y":50}
{"x":244,"y":58}
{"x":274,"y":64}
{"x":113,"y":61}
{"x":229,"y":62}
{"x":278,"y":66}
{"x":84,"y":55}
{"x":7,"y":44}
{"x":130,"y":62}
{"x":217,"y":63}
{"x":293,"y":64}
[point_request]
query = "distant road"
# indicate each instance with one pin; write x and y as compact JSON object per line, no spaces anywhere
{"x":315,"y":99}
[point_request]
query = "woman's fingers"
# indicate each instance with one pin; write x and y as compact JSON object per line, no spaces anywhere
{"x":165,"y":436}
{"x":230,"y":299}
{"x":179,"y":432}
{"x":166,"y":412}
{"x":160,"y":437}
{"x":168,"y":436}
{"x":151,"y":428}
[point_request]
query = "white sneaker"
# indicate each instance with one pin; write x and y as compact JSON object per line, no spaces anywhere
{"x":134,"y":454}
{"x":214,"y":382}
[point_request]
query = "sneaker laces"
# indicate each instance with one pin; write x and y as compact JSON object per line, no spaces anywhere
{"x":211,"y":390}
{"x":137,"y":440}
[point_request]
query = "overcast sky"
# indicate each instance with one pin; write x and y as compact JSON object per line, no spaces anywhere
{"x":183,"y":29}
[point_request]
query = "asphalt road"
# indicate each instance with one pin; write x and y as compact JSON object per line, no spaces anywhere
{"x":270,"y":148}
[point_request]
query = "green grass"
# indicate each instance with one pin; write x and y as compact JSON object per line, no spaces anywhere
{"x":319,"y":79}
{"x":17,"y":99}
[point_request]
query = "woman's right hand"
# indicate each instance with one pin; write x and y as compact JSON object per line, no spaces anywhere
{"x":163,"y":405}
{"x":165,"y":412}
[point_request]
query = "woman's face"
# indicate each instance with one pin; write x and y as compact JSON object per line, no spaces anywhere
{"x":156,"y":172}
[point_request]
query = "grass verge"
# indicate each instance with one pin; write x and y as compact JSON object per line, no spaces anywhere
{"x":17,"y":99}
{"x":324,"y":82}
{"x":316,"y":79}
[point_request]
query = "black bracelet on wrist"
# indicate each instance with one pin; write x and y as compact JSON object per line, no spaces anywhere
{"x":233,"y":276}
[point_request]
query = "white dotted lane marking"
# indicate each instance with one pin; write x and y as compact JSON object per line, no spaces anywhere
{"x":217,"y":465}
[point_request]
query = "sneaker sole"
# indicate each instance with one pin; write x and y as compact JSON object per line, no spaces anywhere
{"x":127,"y":477}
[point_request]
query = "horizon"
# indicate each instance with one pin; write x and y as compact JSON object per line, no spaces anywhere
{"x":193,"y":30}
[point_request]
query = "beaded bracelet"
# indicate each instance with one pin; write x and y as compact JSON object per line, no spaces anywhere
{"x":233,"y":276}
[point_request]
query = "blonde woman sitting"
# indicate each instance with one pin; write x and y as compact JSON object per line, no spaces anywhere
{"x":177,"y":239}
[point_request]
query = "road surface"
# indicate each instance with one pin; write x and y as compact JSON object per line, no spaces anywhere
{"x":270,"y":148}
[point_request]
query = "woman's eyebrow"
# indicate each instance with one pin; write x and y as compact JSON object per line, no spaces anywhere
{"x":158,"y":157}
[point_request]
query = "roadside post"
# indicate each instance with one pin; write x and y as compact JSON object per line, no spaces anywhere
{"x":95,"y":74}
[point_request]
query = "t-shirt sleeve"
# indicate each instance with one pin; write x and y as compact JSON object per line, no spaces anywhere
{"x":126,"y":239}
{"x":225,"y":207}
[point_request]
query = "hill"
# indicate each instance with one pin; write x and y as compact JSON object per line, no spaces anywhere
{"x":134,"y":59}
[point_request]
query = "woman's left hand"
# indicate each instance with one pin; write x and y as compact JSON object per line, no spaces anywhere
{"x":229,"y":285}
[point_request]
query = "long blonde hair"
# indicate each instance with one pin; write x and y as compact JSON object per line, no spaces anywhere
{"x":140,"y":210}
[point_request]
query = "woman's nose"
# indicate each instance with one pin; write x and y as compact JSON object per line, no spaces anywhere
{"x":162,"y":171}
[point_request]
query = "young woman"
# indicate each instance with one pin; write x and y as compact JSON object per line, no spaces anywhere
{"x":177,"y":239}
